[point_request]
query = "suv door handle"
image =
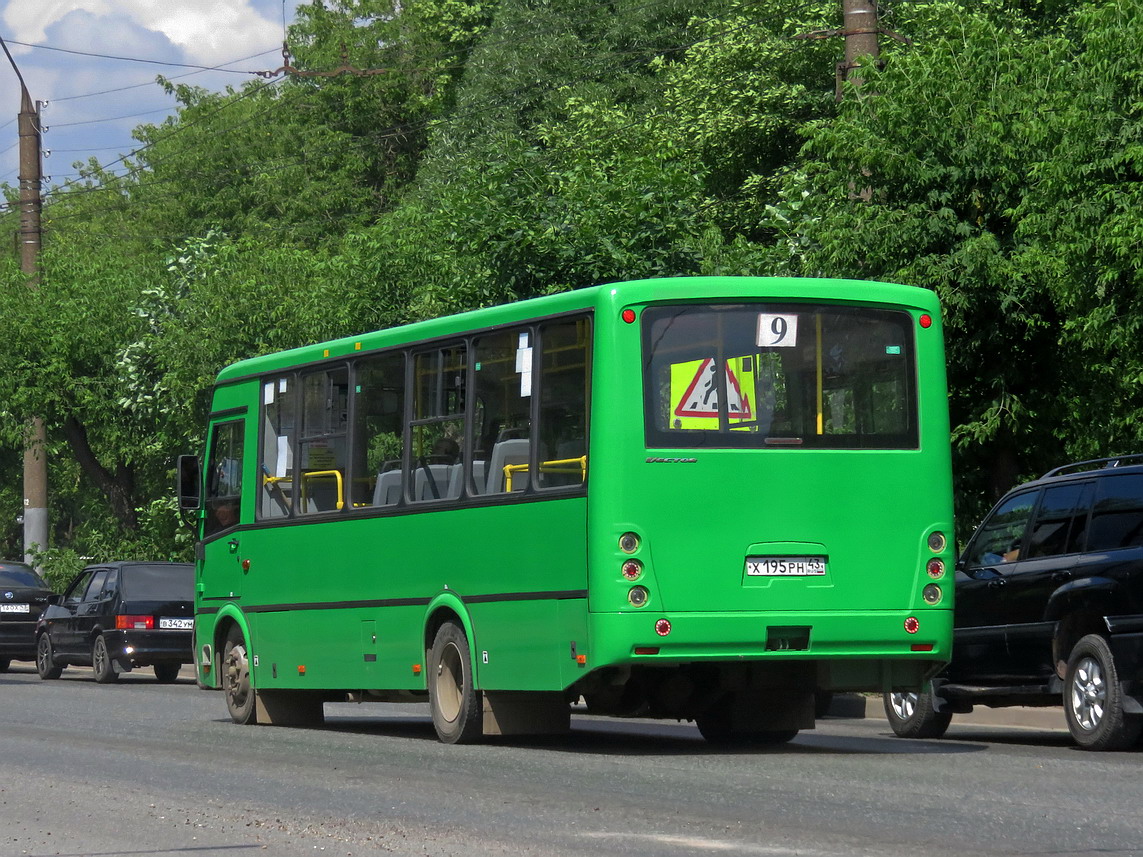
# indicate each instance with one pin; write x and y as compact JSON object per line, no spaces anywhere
{"x":1061,"y":576}
{"x":999,"y":583}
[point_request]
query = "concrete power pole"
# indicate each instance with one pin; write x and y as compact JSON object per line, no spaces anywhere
{"x":31,"y":204}
{"x":860,"y":28}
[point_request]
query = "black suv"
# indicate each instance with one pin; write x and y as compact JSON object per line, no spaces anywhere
{"x":1049,"y":609}
{"x":23,"y":597}
{"x":118,"y":616}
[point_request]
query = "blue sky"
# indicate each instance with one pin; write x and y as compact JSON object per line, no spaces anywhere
{"x":95,"y":102}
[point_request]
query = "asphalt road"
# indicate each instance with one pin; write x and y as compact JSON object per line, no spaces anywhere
{"x":140,"y":768}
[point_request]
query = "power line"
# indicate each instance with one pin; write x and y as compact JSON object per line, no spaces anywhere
{"x":405,"y":129}
{"x":131,"y":59}
{"x":151,"y":82}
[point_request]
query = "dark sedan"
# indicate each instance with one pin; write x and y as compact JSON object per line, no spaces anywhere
{"x":117,"y":616}
{"x":23,"y":597}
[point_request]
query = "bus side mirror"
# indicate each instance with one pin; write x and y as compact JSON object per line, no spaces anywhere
{"x":190,"y":483}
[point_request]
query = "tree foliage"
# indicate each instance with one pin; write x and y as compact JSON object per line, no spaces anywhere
{"x":430,"y":156}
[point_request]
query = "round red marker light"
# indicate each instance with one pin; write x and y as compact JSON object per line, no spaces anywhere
{"x":629,"y":316}
{"x":926,"y":321}
{"x":912,"y":625}
{"x":663,"y":627}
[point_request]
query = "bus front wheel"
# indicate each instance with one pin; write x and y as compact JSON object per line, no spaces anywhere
{"x":236,"y":684}
{"x":456,"y":704}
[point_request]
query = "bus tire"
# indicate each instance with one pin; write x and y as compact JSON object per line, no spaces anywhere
{"x":1093,"y":698}
{"x":101,"y":664}
{"x":717,"y":728}
{"x":236,"y":684}
{"x":457,"y":706}
{"x":913,"y":715}
{"x":166,"y":673}
{"x":46,"y":664}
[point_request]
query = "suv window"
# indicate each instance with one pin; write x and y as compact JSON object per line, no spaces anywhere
{"x":999,"y":538}
{"x":1061,"y":521}
{"x":1117,"y":518}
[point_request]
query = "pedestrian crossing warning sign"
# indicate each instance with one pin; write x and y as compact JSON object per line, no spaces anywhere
{"x":694,"y":392}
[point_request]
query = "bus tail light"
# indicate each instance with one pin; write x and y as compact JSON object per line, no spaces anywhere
{"x":134,"y":623}
{"x":663,"y":627}
{"x":912,"y":625}
{"x":937,"y":541}
{"x":638,"y":596}
{"x":932,"y":594}
{"x":935,"y":568}
{"x":632,"y":569}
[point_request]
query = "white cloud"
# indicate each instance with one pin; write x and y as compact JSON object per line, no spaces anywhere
{"x":206,"y":31}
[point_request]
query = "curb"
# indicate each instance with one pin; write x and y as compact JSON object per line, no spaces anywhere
{"x":856,"y":706}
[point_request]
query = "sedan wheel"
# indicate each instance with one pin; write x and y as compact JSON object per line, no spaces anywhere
{"x":45,"y":659}
{"x":101,"y":663}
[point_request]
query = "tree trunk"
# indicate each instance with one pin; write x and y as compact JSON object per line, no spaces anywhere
{"x":117,"y":487}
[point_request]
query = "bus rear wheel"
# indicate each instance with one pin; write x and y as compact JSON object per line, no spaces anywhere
{"x":236,"y":685}
{"x":720,"y":727}
{"x":456,"y":704}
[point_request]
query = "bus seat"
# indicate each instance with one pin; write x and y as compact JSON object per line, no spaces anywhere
{"x":455,"y":481}
{"x":422,"y":489}
{"x":388,"y":490}
{"x":504,"y":453}
{"x":480,"y":475}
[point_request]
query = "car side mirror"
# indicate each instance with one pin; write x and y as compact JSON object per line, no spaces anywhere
{"x":189,"y":483}
{"x":55,"y":598}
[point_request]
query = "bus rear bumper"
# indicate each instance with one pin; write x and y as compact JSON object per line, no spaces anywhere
{"x":859,"y":650}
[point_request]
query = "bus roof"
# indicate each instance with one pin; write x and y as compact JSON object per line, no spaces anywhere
{"x":618,"y":294}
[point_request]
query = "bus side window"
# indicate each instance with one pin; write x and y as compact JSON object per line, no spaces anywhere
{"x":279,"y":430}
{"x":224,"y":477}
{"x":437,"y":430}
{"x":565,"y":374}
{"x":378,"y":431}
{"x":504,"y":375}
{"x":322,"y":447}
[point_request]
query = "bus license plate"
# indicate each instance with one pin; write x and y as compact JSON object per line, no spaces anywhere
{"x":785,"y":566}
{"x":177,"y":624}
{"x":15,"y":608}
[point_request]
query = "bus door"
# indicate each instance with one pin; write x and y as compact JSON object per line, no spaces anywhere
{"x":221,"y":540}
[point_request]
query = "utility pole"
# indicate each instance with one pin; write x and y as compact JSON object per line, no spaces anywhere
{"x":31,"y":204}
{"x":860,"y":28}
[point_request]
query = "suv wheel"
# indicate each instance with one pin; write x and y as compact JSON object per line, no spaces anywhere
{"x":912,"y":715}
{"x":1093,"y":700}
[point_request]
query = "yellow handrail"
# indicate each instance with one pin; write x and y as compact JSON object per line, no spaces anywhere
{"x":553,"y":466}
{"x":321,"y":474}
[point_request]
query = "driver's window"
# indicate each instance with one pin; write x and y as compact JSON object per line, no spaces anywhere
{"x":1000,"y":537}
{"x":75,"y":592}
{"x":96,"y":586}
{"x":224,"y":478}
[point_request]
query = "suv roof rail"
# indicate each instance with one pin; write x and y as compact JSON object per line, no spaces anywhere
{"x":1114,"y":461}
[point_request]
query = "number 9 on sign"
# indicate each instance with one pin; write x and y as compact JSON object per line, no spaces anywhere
{"x":777,"y":331}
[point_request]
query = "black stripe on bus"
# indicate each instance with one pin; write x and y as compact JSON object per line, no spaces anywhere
{"x":559,"y":595}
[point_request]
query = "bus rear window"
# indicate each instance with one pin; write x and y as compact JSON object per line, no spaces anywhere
{"x":779,"y":376}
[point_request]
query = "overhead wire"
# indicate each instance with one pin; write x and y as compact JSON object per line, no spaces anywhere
{"x":407,"y":128}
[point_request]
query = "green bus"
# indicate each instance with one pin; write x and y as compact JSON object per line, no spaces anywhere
{"x":711,"y":499}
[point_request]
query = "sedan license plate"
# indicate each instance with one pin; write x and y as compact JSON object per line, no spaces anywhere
{"x":785,"y":566}
{"x":177,"y":624}
{"x":15,"y":608}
